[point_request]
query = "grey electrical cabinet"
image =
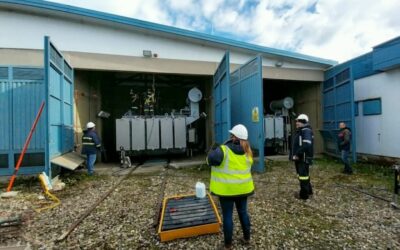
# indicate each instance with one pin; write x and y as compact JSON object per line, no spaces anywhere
{"x":138,"y":134}
{"x":153,"y":133}
{"x":279,"y":127}
{"x":180,"y":132}
{"x":269,"y":127}
{"x":166,"y":128}
{"x":274,"y":127}
{"x":123,"y":134}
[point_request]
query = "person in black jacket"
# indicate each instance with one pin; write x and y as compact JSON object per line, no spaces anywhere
{"x":302,"y":153}
{"x":90,"y":144}
{"x":344,"y":139}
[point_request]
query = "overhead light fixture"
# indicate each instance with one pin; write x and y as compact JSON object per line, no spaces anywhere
{"x":147,"y":53}
{"x":103,"y":114}
{"x":278,"y":64}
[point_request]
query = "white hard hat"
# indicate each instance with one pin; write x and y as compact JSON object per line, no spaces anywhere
{"x":302,"y":117}
{"x":240,"y":131}
{"x":90,"y":125}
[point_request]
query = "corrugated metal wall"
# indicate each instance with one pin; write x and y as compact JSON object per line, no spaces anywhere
{"x":59,"y":99}
{"x":247,"y":104}
{"x":21,"y":92}
{"x":387,"y":56}
{"x":222,"y":101}
{"x":338,"y":106}
{"x":338,"y":89}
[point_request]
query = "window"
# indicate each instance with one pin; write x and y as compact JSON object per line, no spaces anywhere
{"x":3,"y":160}
{"x":355,"y":108}
{"x":372,"y":107}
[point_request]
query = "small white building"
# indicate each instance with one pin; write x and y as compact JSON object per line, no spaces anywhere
{"x":376,"y":87}
{"x":377,"y":103}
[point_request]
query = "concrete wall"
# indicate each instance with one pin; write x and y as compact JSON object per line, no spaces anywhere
{"x":87,"y":104}
{"x":136,"y":64}
{"x":88,"y":61}
{"x":307,"y":100}
{"x":379,"y":134}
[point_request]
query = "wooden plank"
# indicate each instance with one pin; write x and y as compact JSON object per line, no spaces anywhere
{"x":69,"y":161}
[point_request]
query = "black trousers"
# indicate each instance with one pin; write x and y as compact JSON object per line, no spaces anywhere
{"x":303,"y":171}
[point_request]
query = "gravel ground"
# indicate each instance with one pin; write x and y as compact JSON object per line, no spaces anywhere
{"x":335,"y":218}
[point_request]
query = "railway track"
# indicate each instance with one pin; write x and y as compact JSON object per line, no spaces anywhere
{"x":91,"y":208}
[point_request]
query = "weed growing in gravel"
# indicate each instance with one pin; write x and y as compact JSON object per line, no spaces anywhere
{"x":74,"y":178}
{"x":23,"y":184}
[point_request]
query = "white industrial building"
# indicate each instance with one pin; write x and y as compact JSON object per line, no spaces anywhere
{"x":373,"y":81}
{"x":114,"y":57}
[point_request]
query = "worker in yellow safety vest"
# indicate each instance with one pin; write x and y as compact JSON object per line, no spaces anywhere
{"x":231,"y":180}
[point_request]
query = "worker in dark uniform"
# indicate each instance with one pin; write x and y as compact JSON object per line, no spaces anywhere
{"x":302,"y":152}
{"x":344,"y":139}
{"x":90,"y":144}
{"x":232,"y":182}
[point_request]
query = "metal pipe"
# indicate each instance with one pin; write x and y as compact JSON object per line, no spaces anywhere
{"x":27,"y":141}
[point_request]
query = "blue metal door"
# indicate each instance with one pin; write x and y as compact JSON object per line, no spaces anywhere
{"x":338,"y":106}
{"x":59,"y":103}
{"x":21,"y":93}
{"x":222,"y":102}
{"x":247,"y":104}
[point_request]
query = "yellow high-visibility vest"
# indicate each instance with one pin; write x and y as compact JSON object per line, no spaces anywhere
{"x":233,"y":176}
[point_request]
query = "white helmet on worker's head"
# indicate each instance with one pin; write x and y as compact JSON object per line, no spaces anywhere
{"x":240,"y":131}
{"x":302,"y":118}
{"x":90,"y":125}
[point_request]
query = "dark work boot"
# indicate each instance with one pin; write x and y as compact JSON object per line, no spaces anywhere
{"x":226,"y":246}
{"x":300,"y":197}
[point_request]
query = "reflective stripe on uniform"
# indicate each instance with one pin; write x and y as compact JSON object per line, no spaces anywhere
{"x":87,"y":143}
{"x":87,"y":138}
{"x":304,"y":178}
{"x":236,"y":181}
{"x":233,"y":175}
{"x":307,"y":141}
{"x":226,"y":169}
{"x":219,"y":170}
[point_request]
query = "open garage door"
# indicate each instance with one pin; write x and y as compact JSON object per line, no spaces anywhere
{"x":59,"y":103}
{"x":222,"y":101}
{"x":338,"y":106}
{"x":247,"y":104}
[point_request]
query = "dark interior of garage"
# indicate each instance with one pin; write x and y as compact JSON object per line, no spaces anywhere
{"x":124,"y":94}
{"x":279,"y":118}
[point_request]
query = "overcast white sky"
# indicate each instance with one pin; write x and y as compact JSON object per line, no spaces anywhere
{"x":331,"y":29}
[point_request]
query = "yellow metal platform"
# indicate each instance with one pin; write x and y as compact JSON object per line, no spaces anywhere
{"x":188,"y":216}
